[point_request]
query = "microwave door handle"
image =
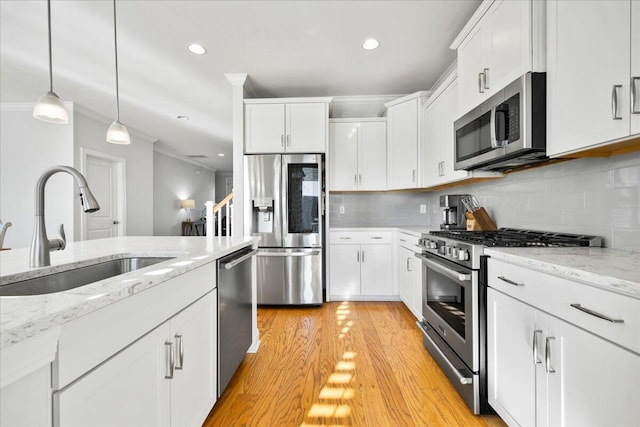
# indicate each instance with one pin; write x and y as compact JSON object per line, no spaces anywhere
{"x":492,"y":128}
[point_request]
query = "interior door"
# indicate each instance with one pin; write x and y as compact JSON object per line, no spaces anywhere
{"x":102,"y":177}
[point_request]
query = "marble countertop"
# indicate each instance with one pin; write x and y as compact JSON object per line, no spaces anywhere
{"x":22,"y":317}
{"x":614,"y":270}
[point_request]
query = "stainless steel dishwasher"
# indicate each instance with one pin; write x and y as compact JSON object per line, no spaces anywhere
{"x":234,"y":313}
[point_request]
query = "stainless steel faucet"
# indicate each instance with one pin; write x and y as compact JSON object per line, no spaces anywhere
{"x":40,"y":244}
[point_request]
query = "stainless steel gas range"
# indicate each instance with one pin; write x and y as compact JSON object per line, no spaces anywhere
{"x":454,"y":300}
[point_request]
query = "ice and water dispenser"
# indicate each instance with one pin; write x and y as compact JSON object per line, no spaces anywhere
{"x":262,"y":215}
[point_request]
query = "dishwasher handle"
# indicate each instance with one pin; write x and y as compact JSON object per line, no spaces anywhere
{"x":229,"y":265}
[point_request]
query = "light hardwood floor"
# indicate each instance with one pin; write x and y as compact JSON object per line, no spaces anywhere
{"x":344,"y":364}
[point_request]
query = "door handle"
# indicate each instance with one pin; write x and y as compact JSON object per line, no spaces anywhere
{"x":363,"y":255}
{"x":614,"y":102}
{"x":486,"y":78}
{"x":358,"y":256}
{"x":229,"y":265}
{"x":116,"y":222}
{"x":547,"y":355}
{"x":169,"y":360}
{"x":180,"y":348}
{"x":536,"y":361}
{"x":287,"y":254}
{"x":455,"y":275}
{"x":511,"y":282}
{"x":282,"y":140}
{"x":596,"y":314}
{"x":288,"y":140}
{"x":634,"y":96}
{"x":480,"y":90}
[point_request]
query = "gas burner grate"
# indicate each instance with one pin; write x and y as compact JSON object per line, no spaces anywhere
{"x":511,"y":237}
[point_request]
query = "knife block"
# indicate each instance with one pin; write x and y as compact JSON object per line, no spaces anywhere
{"x":479,"y":220}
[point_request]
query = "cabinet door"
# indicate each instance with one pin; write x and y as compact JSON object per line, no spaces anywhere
{"x":128,"y":389}
{"x":510,"y":367}
{"x":471,"y":62}
{"x":193,"y":388}
{"x":589,"y":46}
{"x":402,"y":149}
{"x":594,"y":383}
{"x":264,"y":128}
{"x":372,"y":156}
{"x":343,"y":163}
{"x":375,"y":270}
{"x":510,"y":52}
{"x":404,"y":277}
{"x":635,"y":65}
{"x":345,"y":270}
{"x":415,"y":271}
{"x":307,"y":127}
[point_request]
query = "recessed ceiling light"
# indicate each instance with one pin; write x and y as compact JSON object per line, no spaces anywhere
{"x":197,"y":49}
{"x":370,"y":44}
{"x":220,"y":154}
{"x":182,"y":118}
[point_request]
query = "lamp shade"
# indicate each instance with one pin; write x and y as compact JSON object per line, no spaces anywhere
{"x":188,"y":204}
{"x":118,"y":134}
{"x":49,"y":108}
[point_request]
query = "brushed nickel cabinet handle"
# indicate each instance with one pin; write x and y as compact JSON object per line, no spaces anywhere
{"x":355,"y":179}
{"x":634,"y":96}
{"x":536,"y":361}
{"x":413,"y":175}
{"x":408,"y":268}
{"x":169,"y":360}
{"x":511,"y":282}
{"x":288,"y":140}
{"x":614,"y":102}
{"x":358,"y":256}
{"x":486,"y":78}
{"x":547,"y":355}
{"x":480,"y":90}
{"x":282,"y":140}
{"x":180,"y":348}
{"x":596,"y":314}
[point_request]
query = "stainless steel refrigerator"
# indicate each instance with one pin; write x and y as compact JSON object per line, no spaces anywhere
{"x":285,"y":205}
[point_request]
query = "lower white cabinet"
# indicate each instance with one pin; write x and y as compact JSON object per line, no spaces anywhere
{"x":167,"y":377}
{"x":27,"y":401}
{"x":409,"y":273}
{"x":544,"y":370}
{"x":360,"y":265}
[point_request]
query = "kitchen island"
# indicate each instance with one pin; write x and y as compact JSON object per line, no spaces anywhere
{"x":51,"y":344}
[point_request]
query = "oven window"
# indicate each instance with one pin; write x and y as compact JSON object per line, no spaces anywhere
{"x":474,"y":138}
{"x":446,"y":298}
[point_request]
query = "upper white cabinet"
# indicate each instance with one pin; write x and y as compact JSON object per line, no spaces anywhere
{"x":501,"y":41}
{"x":294,"y":125}
{"x":358,"y":155}
{"x":404,"y":130}
{"x":438,"y":155}
{"x":561,"y":361}
{"x":593,"y":53}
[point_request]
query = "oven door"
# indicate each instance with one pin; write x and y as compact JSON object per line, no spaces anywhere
{"x":450,"y":306}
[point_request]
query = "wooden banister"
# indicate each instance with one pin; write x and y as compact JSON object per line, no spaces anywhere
{"x":223,"y":202}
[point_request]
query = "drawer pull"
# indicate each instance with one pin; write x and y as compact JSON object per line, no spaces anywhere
{"x":511,"y":282}
{"x":402,"y":240}
{"x":345,"y":238}
{"x":596,"y":314}
{"x":376,"y":237}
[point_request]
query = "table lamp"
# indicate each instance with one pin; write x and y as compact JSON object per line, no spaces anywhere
{"x":188,"y":204}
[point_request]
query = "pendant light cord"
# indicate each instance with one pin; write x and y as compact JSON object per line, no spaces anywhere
{"x":115,"y":42}
{"x":50,"y":61}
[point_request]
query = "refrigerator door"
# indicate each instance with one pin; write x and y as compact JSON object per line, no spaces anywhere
{"x":289,"y":276}
{"x":263,"y":202}
{"x":302,"y":200}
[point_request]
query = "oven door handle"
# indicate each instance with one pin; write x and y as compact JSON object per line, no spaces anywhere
{"x":463,"y":380}
{"x":455,"y":275}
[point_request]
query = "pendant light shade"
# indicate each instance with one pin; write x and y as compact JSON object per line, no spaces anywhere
{"x":49,"y":107}
{"x":117,"y":133}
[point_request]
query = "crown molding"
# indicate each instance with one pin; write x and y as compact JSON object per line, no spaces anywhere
{"x":180,"y":157}
{"x":236,"y":79}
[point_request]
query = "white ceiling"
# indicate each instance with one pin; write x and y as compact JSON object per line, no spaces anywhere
{"x":288,"y":48}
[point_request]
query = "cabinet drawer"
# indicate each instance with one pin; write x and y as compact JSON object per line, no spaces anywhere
{"x":555,"y":295}
{"x":359,"y":237}
{"x":408,"y":241}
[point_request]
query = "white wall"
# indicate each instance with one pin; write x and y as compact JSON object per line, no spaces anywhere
{"x":221,"y":184}
{"x":90,"y":130}
{"x":28,"y":147}
{"x":176,"y":180}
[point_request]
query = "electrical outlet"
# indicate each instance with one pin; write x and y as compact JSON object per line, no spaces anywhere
{"x":341,"y":209}
{"x":423,"y":209}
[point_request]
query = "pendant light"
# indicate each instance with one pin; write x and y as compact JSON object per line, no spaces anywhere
{"x":49,"y":107}
{"x":117,"y":133}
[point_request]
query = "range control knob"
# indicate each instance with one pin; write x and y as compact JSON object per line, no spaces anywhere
{"x":463,"y":255}
{"x":432,"y":244}
{"x":448,"y":250}
{"x":454,"y":252}
{"x":442,"y":249}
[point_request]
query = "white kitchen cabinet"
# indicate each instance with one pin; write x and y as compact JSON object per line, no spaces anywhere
{"x":404,"y":130}
{"x":27,"y":401}
{"x":635,"y":66}
{"x":154,"y":381}
{"x":549,"y":363}
{"x":292,"y":125}
{"x":409,"y":273}
{"x":590,"y":56}
{"x":502,"y":41}
{"x":360,"y":265}
{"x":438,"y":154}
{"x":358,"y":155}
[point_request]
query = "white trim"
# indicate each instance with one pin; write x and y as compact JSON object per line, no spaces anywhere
{"x":104,"y":119}
{"x":326,"y":99}
{"x":181,"y":157}
{"x":27,"y":356}
{"x":236,"y":79}
{"x":471,"y":23}
{"x":443,"y":83}
{"x":121,"y":188}
{"x":358,"y":119}
{"x":421,"y":96}
{"x":365,"y":99}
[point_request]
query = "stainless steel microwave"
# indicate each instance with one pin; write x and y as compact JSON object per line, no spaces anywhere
{"x":507,"y":130}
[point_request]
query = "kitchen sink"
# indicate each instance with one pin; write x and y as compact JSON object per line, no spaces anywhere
{"x":71,"y":279}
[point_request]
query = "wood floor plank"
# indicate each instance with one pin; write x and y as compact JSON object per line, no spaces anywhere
{"x":344,"y":364}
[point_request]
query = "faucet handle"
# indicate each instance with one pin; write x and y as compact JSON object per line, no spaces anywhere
{"x":61,"y":243}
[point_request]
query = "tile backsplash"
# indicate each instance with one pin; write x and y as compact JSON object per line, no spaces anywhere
{"x":598,"y":196}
